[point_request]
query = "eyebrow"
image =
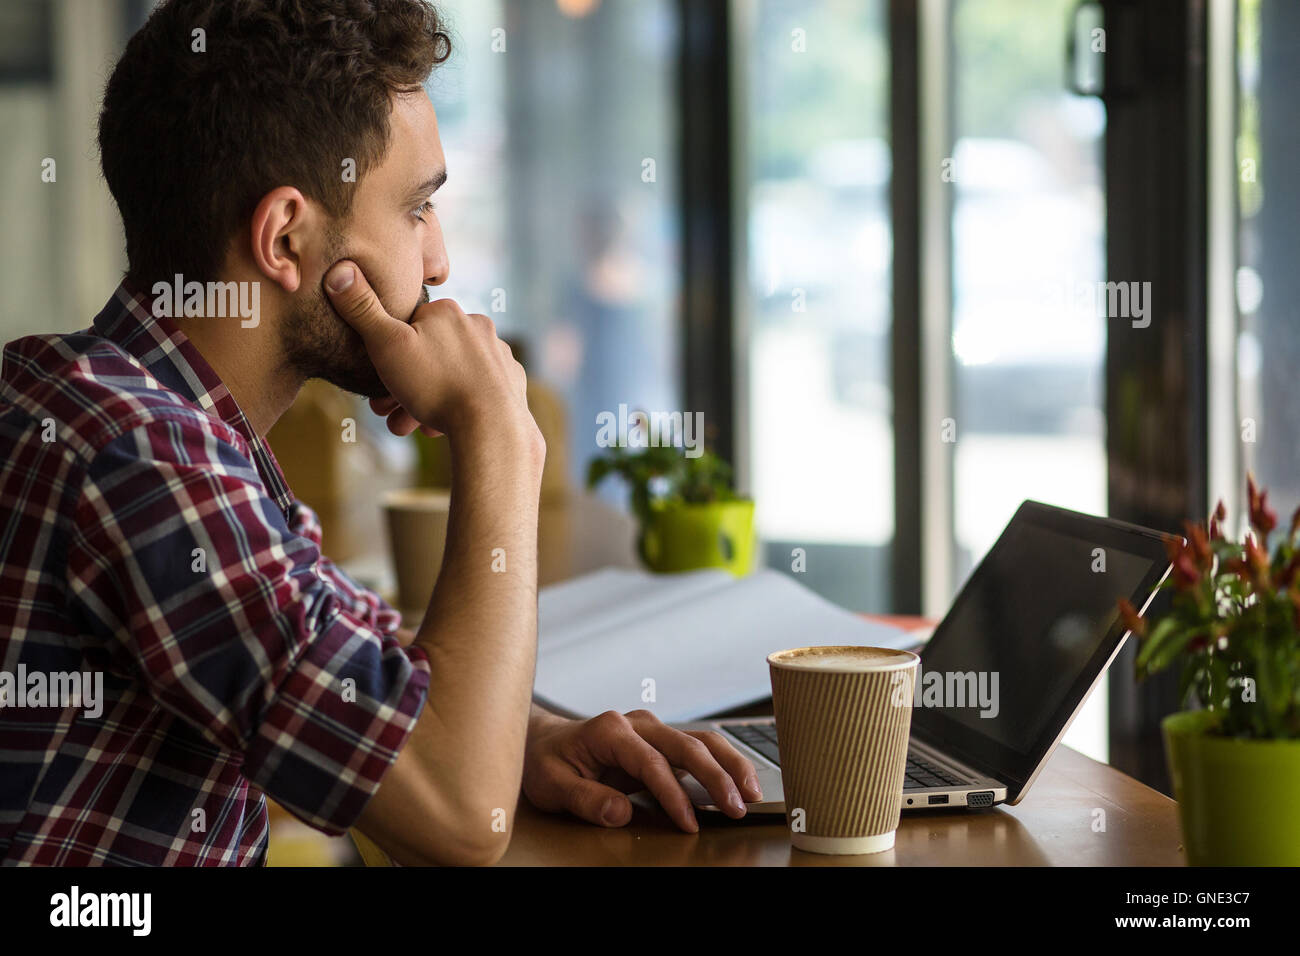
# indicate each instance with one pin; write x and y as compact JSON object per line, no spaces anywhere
{"x":426,"y":188}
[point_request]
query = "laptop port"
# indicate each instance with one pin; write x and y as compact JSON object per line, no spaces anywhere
{"x":938,"y":798}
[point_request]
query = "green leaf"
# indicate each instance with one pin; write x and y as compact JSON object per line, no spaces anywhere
{"x":699,"y":480}
{"x":1171,"y":648}
{"x":1152,"y":643}
{"x":597,"y":469}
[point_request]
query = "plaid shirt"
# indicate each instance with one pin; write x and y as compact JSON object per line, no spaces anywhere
{"x":147,"y":533}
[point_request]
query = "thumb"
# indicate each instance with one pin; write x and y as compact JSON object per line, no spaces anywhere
{"x":357,"y":303}
{"x":597,"y":803}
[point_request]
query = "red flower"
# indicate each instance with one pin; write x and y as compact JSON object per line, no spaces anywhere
{"x":1256,"y":559}
{"x":1182,"y":556}
{"x":1132,"y":620}
{"x":1262,"y":517}
{"x":1219,"y":516}
{"x":1173,"y":547}
{"x":1186,"y":573}
{"x":1198,"y":544}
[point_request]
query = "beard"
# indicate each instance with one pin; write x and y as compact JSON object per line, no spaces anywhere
{"x":318,"y":343}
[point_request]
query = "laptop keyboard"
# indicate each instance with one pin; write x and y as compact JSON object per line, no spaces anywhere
{"x":920,"y":773}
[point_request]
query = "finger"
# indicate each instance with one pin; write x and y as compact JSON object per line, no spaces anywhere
{"x":358,"y":305}
{"x":401,"y":422}
{"x":622,"y":746}
{"x":385,"y":404}
{"x":597,"y":803}
{"x":733,"y":761}
{"x":694,"y":755}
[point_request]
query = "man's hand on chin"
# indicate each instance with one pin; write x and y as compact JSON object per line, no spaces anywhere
{"x":588,"y":767}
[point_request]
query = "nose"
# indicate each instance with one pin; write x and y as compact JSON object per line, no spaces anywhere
{"x":436,"y":266}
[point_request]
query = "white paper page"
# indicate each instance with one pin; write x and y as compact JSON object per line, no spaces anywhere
{"x":604,"y":601}
{"x":704,"y":654}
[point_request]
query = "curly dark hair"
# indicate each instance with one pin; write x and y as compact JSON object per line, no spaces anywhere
{"x":197,"y":127}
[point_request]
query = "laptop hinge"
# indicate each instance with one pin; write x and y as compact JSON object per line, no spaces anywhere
{"x":948,"y":751}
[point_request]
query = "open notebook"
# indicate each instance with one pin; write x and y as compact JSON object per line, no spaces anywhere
{"x":683,"y":646}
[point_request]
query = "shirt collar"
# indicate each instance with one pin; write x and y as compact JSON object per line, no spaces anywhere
{"x":170,"y":357}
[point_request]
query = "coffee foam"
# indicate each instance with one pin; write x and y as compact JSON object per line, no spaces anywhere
{"x":843,"y":658}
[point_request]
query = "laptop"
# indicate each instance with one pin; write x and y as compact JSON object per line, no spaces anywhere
{"x":1002,"y":677}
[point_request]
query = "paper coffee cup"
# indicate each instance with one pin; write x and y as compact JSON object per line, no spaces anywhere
{"x":417,"y":535}
{"x":843,"y":715}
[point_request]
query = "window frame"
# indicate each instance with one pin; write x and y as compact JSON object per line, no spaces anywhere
{"x":1157,"y":185}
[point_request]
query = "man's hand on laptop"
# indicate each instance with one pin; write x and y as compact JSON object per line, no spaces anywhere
{"x":588,"y":767}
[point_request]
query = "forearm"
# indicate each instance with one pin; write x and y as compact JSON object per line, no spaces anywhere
{"x":537,"y":714}
{"x":480,"y":631}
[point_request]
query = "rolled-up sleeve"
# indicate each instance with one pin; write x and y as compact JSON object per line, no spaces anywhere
{"x":364,"y":603}
{"x":186,"y":570}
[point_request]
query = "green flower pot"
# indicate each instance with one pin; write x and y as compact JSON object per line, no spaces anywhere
{"x":1238,"y":800}
{"x":684,"y":537}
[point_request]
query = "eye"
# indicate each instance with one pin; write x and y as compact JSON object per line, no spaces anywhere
{"x":424,"y":209}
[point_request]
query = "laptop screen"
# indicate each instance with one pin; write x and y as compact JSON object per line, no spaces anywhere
{"x":1029,"y":632}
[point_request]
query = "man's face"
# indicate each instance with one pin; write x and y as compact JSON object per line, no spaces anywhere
{"x":393,"y":235}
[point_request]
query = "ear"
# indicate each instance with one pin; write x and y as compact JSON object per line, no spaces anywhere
{"x":280,"y":227}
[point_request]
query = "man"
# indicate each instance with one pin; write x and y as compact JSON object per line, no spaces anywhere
{"x":279,"y":157}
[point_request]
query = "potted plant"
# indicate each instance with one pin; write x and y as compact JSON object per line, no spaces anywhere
{"x":1234,"y":624}
{"x":689,"y":515}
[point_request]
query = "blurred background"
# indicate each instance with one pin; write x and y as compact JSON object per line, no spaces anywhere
{"x":847,"y":231}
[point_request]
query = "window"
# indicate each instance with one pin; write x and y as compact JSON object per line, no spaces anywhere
{"x":560,"y":209}
{"x":816,"y":195}
{"x":1028,"y":332}
{"x":1267,"y":283}
{"x":62,"y":254}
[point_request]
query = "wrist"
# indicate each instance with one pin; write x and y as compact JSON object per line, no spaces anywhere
{"x":541,"y":720}
{"x":501,"y":439}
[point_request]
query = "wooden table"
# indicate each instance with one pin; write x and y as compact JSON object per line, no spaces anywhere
{"x":1059,"y":823}
{"x":1078,"y":813}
